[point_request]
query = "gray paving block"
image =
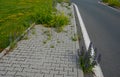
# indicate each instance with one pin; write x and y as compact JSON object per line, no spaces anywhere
{"x":11,"y":73}
{"x":48,"y":75}
{"x":20,"y":69}
{"x":9,"y":68}
{"x":58,"y":75}
{"x":54,"y":72}
{"x":3,"y":72}
{"x":45,"y":71}
{"x":2,"y":68}
{"x":39,"y":75}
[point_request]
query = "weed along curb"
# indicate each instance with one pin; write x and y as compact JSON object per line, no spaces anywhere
{"x":6,"y":50}
{"x":97,"y":70}
{"x":80,"y":72}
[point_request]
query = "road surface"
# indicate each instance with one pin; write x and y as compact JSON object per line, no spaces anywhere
{"x":103,"y":26}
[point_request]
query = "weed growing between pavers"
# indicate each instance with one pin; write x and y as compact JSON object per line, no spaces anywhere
{"x":33,"y":31}
{"x":52,"y":46}
{"x":74,"y":38}
{"x":58,"y":41}
{"x":45,"y":41}
{"x":25,"y":38}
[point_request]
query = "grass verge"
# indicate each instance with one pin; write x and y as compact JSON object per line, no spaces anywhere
{"x":113,"y":3}
{"x":17,"y":15}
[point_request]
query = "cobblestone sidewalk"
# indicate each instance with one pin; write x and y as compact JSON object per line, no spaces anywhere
{"x":44,"y":53}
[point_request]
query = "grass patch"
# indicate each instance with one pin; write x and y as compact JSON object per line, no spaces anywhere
{"x":58,"y":21}
{"x":17,"y":15}
{"x":113,"y":3}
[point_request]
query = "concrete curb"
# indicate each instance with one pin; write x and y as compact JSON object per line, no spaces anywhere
{"x":80,"y":72}
{"x":97,"y":70}
{"x":8,"y":48}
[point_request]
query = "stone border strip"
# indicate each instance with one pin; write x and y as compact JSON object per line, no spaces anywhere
{"x":18,"y":39}
{"x":97,"y":70}
{"x":79,"y":71}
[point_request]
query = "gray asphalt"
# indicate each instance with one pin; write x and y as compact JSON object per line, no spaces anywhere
{"x":103,"y":26}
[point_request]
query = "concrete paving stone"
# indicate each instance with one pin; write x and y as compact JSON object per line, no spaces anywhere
{"x":63,"y":72}
{"x":45,"y":71}
{"x":51,"y":61}
{"x":18,"y":76}
{"x":56,"y":65}
{"x":20,"y":69}
{"x":72,"y":73}
{"x":57,"y":59}
{"x":25,"y":74}
{"x":12,"y":59}
{"x":20,"y":59}
{"x":47,"y":64}
{"x":17,"y":53}
{"x":58,"y":75}
{"x":25,"y":65}
{"x":54,"y":72}
{"x":31,"y":70}
{"x":50,"y":68}
{"x":3,"y":72}
{"x":48,"y":75}
{"x":5,"y":64}
{"x":68,"y":69}
{"x":16,"y":64}
{"x":64,"y":65}
{"x":68,"y":76}
{"x":74,"y":69}
{"x":21,"y":56}
{"x":64,"y":59}
{"x":9,"y":68}
{"x":11,"y":73}
{"x":5,"y":58}
{"x":6,"y":75}
{"x":59,"y":68}
{"x":2,"y":68}
{"x":36,"y":66}
{"x":34,"y":62}
{"x":39,"y":75}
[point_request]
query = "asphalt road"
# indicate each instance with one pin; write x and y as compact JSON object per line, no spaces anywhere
{"x":103,"y":26}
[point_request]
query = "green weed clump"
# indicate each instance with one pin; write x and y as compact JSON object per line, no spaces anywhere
{"x":58,"y":21}
{"x":114,"y":3}
{"x":67,"y":1}
{"x":87,"y":61}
